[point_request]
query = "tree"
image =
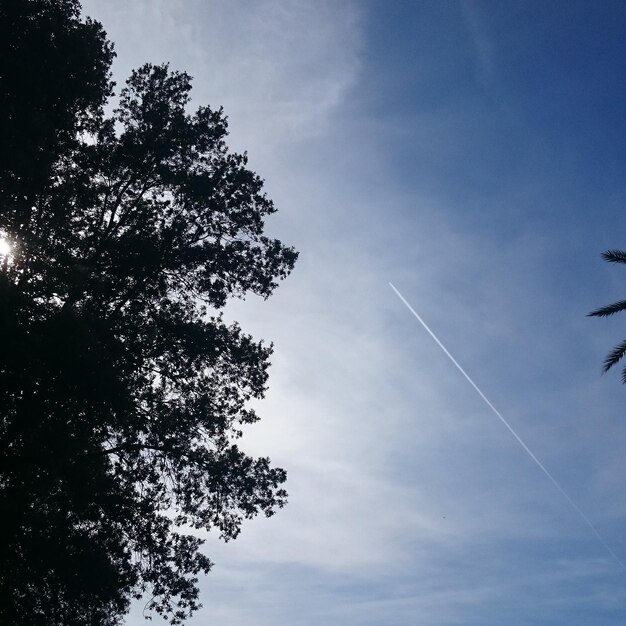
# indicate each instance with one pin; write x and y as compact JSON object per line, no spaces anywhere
{"x":54,"y":79}
{"x":122,"y":390}
{"x":616,"y":355}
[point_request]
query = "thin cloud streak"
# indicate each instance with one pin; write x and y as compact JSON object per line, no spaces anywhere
{"x":512,"y":431}
{"x":482,"y":44}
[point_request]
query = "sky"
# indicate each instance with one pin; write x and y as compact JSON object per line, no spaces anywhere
{"x":473,"y":154}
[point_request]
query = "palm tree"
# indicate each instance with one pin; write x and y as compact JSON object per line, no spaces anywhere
{"x":613,"y":256}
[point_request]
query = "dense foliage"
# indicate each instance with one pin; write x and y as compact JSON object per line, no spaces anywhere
{"x":122,"y":390}
{"x":54,"y":79}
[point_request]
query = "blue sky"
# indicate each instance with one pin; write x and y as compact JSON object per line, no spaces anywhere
{"x":473,"y":154}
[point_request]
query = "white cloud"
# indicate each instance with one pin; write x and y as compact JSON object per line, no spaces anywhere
{"x":278,"y":67}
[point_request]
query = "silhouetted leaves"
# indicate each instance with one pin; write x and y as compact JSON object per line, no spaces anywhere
{"x":614,"y":256}
{"x":610,"y":309}
{"x":122,"y":389}
{"x":616,"y":355}
{"x":54,"y":79}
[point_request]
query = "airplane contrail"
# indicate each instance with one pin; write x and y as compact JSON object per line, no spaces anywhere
{"x":510,"y":429}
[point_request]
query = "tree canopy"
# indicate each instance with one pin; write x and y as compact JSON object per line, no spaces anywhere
{"x":123,"y":392}
{"x":54,"y":79}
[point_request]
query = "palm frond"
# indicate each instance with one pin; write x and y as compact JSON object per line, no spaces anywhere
{"x":610,"y":309}
{"x":614,"y":357}
{"x":614,"y":256}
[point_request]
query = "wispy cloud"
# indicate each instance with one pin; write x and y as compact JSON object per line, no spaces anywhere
{"x":278,"y":67}
{"x":481,"y":41}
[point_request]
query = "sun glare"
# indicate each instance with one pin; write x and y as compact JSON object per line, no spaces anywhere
{"x":5,"y":247}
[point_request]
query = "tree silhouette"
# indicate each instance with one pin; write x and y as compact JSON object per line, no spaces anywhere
{"x":122,"y":389}
{"x":54,"y":79}
{"x":616,"y":355}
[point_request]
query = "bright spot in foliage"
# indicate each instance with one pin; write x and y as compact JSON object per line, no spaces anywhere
{"x":6,"y":251}
{"x":5,"y":247}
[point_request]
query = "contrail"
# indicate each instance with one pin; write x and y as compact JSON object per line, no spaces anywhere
{"x":510,"y":429}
